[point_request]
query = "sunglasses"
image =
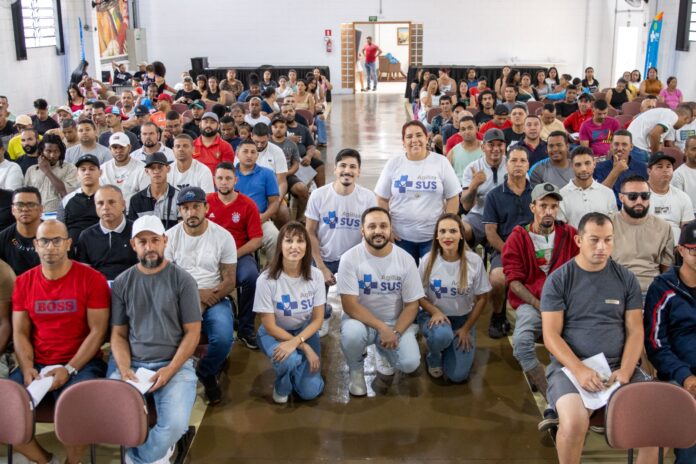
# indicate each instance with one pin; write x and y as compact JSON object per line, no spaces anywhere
{"x":633,"y":196}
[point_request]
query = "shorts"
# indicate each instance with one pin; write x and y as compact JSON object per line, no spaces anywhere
{"x":496,"y":259}
{"x":292,"y":180}
{"x":475,"y":220}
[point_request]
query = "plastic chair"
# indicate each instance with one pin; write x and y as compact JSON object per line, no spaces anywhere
{"x":533,"y":106}
{"x":308,"y":115}
{"x":84,"y":416}
{"x":651,"y":414}
{"x":631,"y":108}
{"x":612,"y":112}
{"x":432,"y":112}
{"x":676,"y":153}
{"x":180,"y":107}
{"x":16,"y":416}
{"x":624,"y":119}
{"x":599,"y":95}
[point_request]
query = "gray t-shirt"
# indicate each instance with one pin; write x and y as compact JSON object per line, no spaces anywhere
{"x":594,"y":305}
{"x":290,"y":150}
{"x":102,"y":153}
{"x":544,"y":171}
{"x":155,"y":307}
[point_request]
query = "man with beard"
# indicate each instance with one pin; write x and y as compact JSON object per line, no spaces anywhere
{"x":158,"y":198}
{"x":295,"y":186}
{"x":197,"y":110}
{"x":105,"y":246}
{"x":99,"y":117}
{"x":207,"y":251}
{"x":30,"y":146}
{"x":127,"y":103}
{"x":188,"y":172}
{"x":254,"y":117}
{"x":239,"y":215}
{"x":583,"y":194}
{"x":666,"y":201}
{"x":52,"y":176}
{"x":150,"y":136}
{"x":620,"y":165}
{"x":271,"y":157}
{"x":333,"y":218}
{"x":209,"y":148}
{"x":530,"y":254}
{"x":597,"y":132}
{"x":173,"y":126}
{"x":87,"y":133}
{"x":555,"y":169}
{"x":163,"y":338}
{"x":113,"y":122}
{"x":17,"y":240}
{"x":123,"y":171}
{"x":309,"y":154}
{"x":643,"y":242}
{"x":380,"y":287}
{"x":486,"y":101}
{"x":164,"y":105}
{"x":69,"y":129}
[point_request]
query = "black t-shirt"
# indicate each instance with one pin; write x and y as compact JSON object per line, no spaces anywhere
{"x":43,"y":126}
{"x":482,"y":118}
{"x":565,"y":109}
{"x":6,"y":217}
{"x":79,"y":214}
{"x":17,"y":251}
{"x":170,"y":142}
{"x":26,"y":161}
{"x":121,"y":78}
{"x":192,"y":95}
{"x":512,"y":136}
{"x":213,"y":96}
{"x":594,"y":87}
{"x":139,"y":74}
{"x":691,"y":290}
{"x":8,"y":129}
{"x":192,"y":127}
{"x":306,"y":137}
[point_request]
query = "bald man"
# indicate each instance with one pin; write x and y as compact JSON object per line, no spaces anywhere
{"x":58,"y":327}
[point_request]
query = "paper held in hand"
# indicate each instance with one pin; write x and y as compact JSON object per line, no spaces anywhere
{"x":143,"y":384}
{"x":595,"y":400}
{"x":306,"y":174}
{"x":39,"y":387}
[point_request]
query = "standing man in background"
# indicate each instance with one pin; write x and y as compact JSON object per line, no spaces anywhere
{"x":371,"y":51}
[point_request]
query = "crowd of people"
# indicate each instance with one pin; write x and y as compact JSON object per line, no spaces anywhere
{"x":136,"y":225}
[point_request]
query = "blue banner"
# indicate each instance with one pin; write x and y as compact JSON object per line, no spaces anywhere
{"x":653,"y":43}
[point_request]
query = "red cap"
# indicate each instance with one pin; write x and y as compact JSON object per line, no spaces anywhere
{"x":113,"y":109}
{"x":164,"y":96}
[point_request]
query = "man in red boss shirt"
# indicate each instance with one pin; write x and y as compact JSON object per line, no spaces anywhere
{"x":209,"y":148}
{"x":59,"y":319}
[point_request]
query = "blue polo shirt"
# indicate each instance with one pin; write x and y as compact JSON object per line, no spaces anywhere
{"x":535,"y":154}
{"x":507,"y":209}
{"x":635,"y":167}
{"x":258,"y":185}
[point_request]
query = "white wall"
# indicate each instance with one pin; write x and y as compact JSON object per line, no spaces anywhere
{"x":44,"y":74}
{"x":385,"y":37}
{"x":483,"y":32}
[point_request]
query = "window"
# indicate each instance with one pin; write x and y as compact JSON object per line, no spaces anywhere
{"x":39,"y":20}
{"x":692,"y":22}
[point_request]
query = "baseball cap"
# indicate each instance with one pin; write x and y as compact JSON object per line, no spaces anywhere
{"x":544,"y":190}
{"x":501,"y":110}
{"x":188,"y":194}
{"x":119,"y":138}
{"x":157,"y":158}
{"x":164,"y":96}
{"x":141,"y":110}
{"x":24,"y":120}
{"x":147,"y":224}
{"x":87,"y":158}
{"x":64,"y":108}
{"x":197,"y":104}
{"x":493,"y":134}
{"x":211,"y":115}
{"x":278,"y":118}
{"x":113,"y":109}
{"x":688,"y":235}
{"x":659,"y":156}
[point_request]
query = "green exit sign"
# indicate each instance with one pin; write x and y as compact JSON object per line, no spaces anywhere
{"x":373,"y":19}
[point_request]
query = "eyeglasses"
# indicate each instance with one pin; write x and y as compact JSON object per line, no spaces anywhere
{"x":23,"y":205}
{"x":56,"y":241}
{"x":690,"y":250}
{"x":633,"y":196}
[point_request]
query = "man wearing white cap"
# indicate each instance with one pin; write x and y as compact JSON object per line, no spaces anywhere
{"x":156,"y":325}
{"x":64,"y":112}
{"x":125,"y":172}
{"x":15,"y":147}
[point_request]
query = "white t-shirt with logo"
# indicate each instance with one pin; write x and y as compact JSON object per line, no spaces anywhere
{"x":201,"y":256}
{"x":679,"y":136}
{"x":493,"y":179}
{"x":382,"y":285}
{"x":684,"y":179}
{"x":442,"y":288}
{"x":338,"y":218}
{"x":291,"y":299}
{"x":646,"y":122}
{"x":130,"y":178}
{"x":417,"y":191}
{"x":198,"y":175}
{"x":674,"y":207}
{"x":252,"y":122}
{"x":273,"y":158}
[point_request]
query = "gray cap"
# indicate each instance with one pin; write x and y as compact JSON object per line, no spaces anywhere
{"x":544,"y":190}
{"x":211,"y":115}
{"x":188,"y":194}
{"x":493,"y":134}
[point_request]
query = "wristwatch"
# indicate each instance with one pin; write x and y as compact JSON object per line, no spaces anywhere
{"x":397,"y":333}
{"x":71,"y":370}
{"x":302,"y":340}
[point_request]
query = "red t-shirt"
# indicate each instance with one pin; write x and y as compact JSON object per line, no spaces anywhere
{"x":58,"y":309}
{"x":213,"y":155}
{"x":370,"y":53}
{"x":241,"y":217}
{"x":492,"y":125}
{"x":573,"y":122}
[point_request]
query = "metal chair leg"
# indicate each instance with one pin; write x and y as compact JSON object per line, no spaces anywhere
{"x":9,"y":454}
{"x":93,"y":454}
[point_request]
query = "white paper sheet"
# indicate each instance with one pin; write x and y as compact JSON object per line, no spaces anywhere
{"x":306,"y":174}
{"x":595,"y":400}
{"x":39,"y":387}
{"x":143,"y":384}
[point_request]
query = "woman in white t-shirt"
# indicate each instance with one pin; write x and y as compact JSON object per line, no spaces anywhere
{"x":290,"y":298}
{"x":416,"y":188}
{"x":456,"y":291}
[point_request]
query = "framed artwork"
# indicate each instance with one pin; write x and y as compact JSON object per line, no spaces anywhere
{"x":402,"y":35}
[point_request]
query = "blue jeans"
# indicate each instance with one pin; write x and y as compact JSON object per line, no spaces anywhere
{"x":218,"y":326}
{"x":415,"y":249}
{"x":94,"y":369}
{"x":371,"y":73}
{"x":173,"y":403}
{"x":293,"y":373}
{"x":247,"y":273}
{"x":321,"y":130}
{"x":356,"y":337}
{"x":685,"y":455}
{"x":640,"y":155}
{"x":442,"y":350}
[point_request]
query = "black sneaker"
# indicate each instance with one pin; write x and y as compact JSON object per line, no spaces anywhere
{"x":211,"y":385}
{"x":249,"y":341}
{"x":550,"y":421}
{"x":498,"y":328}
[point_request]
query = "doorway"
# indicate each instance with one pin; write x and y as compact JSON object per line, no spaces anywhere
{"x":394,"y":39}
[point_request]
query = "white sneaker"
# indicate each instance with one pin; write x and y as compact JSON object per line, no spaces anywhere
{"x":435,"y":372}
{"x":278,"y":398}
{"x":357,"y":385}
{"x":383,"y":365}
{"x":324,"y":330}
{"x":167,"y":457}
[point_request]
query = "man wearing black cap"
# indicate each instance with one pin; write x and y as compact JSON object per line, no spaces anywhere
{"x":159,"y":198}
{"x":197,"y":110}
{"x":209,"y":148}
{"x":670,"y":323}
{"x":207,"y":251}
{"x":77,"y":209}
{"x":500,"y":120}
{"x":666,"y":201}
